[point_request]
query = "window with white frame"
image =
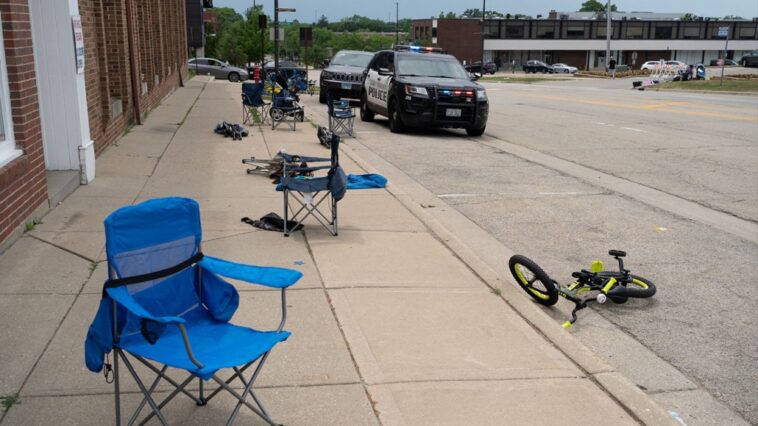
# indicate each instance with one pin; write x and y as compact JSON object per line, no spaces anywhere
{"x":8,"y":149}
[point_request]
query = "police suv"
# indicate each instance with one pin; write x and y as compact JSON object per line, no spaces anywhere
{"x":422,"y":87}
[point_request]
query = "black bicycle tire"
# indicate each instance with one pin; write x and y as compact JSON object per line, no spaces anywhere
{"x":547,"y":298}
{"x":632,"y":290}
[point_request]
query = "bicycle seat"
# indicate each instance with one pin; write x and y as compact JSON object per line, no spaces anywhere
{"x":617,"y":253}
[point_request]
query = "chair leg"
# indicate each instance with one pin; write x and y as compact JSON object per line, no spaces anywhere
{"x":144,"y":400}
{"x":118,"y":389}
{"x":141,"y":386}
{"x":286,"y":211}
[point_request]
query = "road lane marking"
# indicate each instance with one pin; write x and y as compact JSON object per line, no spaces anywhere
{"x":634,"y":130}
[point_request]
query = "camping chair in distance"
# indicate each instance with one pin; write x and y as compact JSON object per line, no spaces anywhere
{"x":341,"y":117}
{"x":253,"y":104}
{"x":166,"y":305}
{"x":285,"y":109}
{"x":315,"y":196}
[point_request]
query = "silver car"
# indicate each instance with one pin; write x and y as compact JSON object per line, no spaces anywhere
{"x":219,"y":70}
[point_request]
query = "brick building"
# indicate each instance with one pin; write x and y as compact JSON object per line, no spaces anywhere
{"x":64,"y":100}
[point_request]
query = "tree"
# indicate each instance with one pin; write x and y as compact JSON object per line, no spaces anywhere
{"x":596,"y":6}
{"x":688,"y":17}
{"x":476,"y":13}
{"x":322,"y":22}
{"x":448,"y":15}
{"x":733,"y":18}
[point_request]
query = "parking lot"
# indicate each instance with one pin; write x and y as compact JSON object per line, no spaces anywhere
{"x":569,"y":169}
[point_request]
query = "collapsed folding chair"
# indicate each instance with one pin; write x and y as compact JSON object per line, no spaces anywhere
{"x":311,"y":193}
{"x":165,"y":303}
{"x":253,"y":104}
{"x":341,"y":118}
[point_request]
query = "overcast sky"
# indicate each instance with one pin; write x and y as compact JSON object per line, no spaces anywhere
{"x":385,"y":9}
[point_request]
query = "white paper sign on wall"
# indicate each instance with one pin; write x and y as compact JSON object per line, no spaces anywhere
{"x":76,"y":23}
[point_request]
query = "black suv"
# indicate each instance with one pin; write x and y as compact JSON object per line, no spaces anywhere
{"x":421,"y":87}
{"x":537,"y":66}
{"x":343,"y":78}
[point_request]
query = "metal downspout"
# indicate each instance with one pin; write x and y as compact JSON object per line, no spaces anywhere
{"x":130,"y":33}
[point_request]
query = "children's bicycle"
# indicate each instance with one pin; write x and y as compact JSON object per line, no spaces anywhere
{"x":595,"y":285}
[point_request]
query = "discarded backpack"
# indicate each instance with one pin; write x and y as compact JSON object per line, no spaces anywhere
{"x":235,"y":131}
{"x":272,"y":222}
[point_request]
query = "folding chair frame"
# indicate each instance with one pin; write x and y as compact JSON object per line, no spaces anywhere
{"x":310,"y":209}
{"x":342,"y":126}
{"x":201,"y":399}
{"x":249,"y":118}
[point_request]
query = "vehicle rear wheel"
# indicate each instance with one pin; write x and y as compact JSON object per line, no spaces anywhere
{"x":366,"y":114}
{"x":475,"y":131}
{"x":233,"y":77}
{"x":533,"y":280}
{"x":396,"y":122}
{"x":566,"y":71}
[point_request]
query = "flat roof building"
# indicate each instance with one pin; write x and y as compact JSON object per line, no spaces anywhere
{"x":579,"y":38}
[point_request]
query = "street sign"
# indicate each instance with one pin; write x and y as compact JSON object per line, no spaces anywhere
{"x":76,"y":23}
{"x":286,"y":9}
{"x":723,"y":31}
{"x":306,"y":37}
{"x":271,"y":34}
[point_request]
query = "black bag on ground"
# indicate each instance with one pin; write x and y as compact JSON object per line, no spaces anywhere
{"x":272,"y":222}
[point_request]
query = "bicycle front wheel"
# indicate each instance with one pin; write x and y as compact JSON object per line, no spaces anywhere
{"x":533,"y":280}
{"x":640,"y":287}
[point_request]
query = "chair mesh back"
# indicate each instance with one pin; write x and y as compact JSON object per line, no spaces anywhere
{"x":150,"y":237}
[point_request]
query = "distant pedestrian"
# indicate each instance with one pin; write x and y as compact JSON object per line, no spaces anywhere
{"x":612,"y":67}
{"x":513,"y":66}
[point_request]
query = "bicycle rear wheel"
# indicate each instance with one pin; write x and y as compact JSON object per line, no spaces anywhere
{"x":533,"y":280}
{"x":640,"y":287}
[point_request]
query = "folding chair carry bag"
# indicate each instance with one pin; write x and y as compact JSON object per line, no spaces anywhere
{"x":166,"y":305}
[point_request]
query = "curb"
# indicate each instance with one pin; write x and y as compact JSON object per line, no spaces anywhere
{"x":639,"y":405}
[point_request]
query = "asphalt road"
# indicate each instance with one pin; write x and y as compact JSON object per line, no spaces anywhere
{"x":570,"y":169}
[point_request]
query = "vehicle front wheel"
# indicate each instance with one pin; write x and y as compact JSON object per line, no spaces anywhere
{"x":234,"y":77}
{"x":396,"y":122}
{"x":366,"y":114}
{"x":566,"y":71}
{"x":475,"y":131}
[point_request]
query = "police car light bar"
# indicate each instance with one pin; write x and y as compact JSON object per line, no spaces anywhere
{"x":420,"y":49}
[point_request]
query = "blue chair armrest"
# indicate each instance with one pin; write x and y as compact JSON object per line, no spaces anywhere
{"x":123,"y":298}
{"x":266,"y":276}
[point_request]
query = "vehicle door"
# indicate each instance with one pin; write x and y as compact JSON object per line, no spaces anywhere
{"x":217,"y":69}
{"x":376,"y":90}
{"x":200,"y":66}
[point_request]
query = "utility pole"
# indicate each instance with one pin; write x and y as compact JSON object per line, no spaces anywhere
{"x":276,"y":37}
{"x":397,"y":23}
{"x":608,"y":35}
{"x":484,"y":25}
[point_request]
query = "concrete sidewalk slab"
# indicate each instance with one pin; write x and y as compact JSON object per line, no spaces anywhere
{"x":433,"y":334}
{"x":493,"y":402}
{"x":87,"y":244}
{"x":50,"y":271}
{"x":270,"y":249}
{"x":340,"y":405}
{"x":113,"y":164}
{"x":375,"y":210}
{"x":102,"y":187}
{"x":29,"y":321}
{"x":395,"y":259}
{"x":82,"y":213}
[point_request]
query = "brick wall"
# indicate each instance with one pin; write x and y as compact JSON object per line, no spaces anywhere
{"x":161,"y":50}
{"x":161,"y":42}
{"x":23,"y":188}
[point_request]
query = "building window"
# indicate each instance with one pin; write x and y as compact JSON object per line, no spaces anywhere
{"x":663,"y":31}
{"x":576,"y":30}
{"x":514,"y":30}
{"x":746,"y":31}
{"x":545,"y":30}
{"x":691,"y":31}
{"x":634,"y":31}
{"x":492,"y":29}
{"x":8,"y":150}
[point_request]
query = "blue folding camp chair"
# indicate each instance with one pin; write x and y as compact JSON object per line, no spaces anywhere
{"x":311,"y":192}
{"x":252,"y":100}
{"x":166,"y":303}
{"x":341,"y":117}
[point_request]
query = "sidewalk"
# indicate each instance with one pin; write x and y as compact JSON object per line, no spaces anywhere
{"x":390,"y":326}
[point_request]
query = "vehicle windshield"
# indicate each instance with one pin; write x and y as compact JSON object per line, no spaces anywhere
{"x":353,"y":59}
{"x":422,"y":66}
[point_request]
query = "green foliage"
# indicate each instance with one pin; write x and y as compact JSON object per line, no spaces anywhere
{"x":596,"y":6}
{"x":448,"y":15}
{"x":29,"y":226}
{"x":238,"y":40}
{"x":476,"y":13}
{"x":688,"y":17}
{"x":733,"y":18}
{"x":9,"y":401}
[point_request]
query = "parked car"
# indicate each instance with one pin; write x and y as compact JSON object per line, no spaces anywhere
{"x":537,"y":66}
{"x":678,"y":64}
{"x":727,"y":62}
{"x":650,"y":65}
{"x":476,"y":67}
{"x":749,"y":60}
{"x":218,"y":69}
{"x":286,"y":68}
{"x":560,"y":67}
{"x":343,"y":78}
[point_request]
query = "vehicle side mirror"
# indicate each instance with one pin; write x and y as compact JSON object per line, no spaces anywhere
{"x":385,"y":71}
{"x":365,"y":72}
